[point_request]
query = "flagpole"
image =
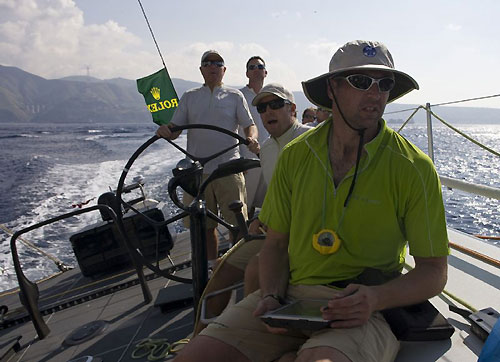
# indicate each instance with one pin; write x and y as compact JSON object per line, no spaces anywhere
{"x":154,"y":39}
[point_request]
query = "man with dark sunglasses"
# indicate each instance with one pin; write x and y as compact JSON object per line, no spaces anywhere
{"x":256,"y":73}
{"x":218,"y":105}
{"x":344,"y":201}
{"x":276,"y":107}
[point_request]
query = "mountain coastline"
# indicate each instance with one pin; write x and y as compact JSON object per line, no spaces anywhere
{"x":26,"y":98}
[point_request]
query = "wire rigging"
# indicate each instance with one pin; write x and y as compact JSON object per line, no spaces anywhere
{"x":444,"y":104}
{"x":153,"y":36}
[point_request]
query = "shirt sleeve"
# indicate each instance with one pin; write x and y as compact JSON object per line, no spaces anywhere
{"x":180,"y":117}
{"x":276,"y":211}
{"x":243,"y":112}
{"x":425,"y":221}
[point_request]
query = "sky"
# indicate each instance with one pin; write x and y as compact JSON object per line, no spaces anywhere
{"x":449,"y":47}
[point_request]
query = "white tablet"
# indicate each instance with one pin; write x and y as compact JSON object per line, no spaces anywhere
{"x":299,"y":314}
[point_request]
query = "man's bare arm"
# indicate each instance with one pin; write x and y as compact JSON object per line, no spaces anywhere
{"x":426,"y":280}
{"x":355,"y":304}
{"x":252,"y":134}
{"x":273,"y":270}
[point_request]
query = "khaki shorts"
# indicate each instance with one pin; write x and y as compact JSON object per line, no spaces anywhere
{"x":221,"y":192}
{"x":372,"y":342}
{"x":243,"y":252}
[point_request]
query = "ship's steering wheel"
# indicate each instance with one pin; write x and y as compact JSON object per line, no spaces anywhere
{"x":188,"y":176}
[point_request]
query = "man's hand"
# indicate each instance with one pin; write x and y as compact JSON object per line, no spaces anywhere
{"x":253,"y":145}
{"x":164,"y":131}
{"x":265,"y":305}
{"x":256,"y":227}
{"x":351,"y":307}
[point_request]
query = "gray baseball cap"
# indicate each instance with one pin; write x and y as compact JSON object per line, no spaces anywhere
{"x":276,"y":89}
{"x":210,"y":52}
{"x":358,"y":55}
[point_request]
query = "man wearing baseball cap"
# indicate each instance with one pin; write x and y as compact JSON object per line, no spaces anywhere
{"x":276,"y":107}
{"x":344,"y":200}
{"x":217,"y":105}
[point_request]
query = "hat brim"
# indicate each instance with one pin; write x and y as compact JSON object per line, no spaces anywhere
{"x":259,"y":97}
{"x":216,"y":54}
{"x":316,"y":92}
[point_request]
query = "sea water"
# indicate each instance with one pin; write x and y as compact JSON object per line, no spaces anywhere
{"x":49,"y":169}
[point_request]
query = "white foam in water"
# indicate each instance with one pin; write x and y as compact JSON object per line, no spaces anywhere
{"x":72,"y":184}
{"x":100,"y":156}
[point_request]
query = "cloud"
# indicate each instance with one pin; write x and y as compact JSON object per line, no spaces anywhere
{"x":50,"y":38}
{"x":454,"y":27}
{"x":254,"y":48}
{"x":279,"y":14}
{"x":283,"y":72}
{"x":322,"y":49}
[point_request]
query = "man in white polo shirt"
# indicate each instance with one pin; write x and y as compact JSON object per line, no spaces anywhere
{"x":217,"y":105}
{"x":256,"y":72}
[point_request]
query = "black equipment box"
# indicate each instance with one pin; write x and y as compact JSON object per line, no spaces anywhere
{"x":101,"y":250}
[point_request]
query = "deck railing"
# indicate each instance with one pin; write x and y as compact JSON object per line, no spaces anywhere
{"x":453,"y":183}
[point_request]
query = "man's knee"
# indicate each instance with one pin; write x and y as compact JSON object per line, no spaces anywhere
{"x":321,"y":354}
{"x":227,"y":275}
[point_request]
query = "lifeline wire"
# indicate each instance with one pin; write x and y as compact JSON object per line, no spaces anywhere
{"x":466,"y":100}
{"x":465,"y":136}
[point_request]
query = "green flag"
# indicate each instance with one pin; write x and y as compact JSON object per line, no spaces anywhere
{"x":160,"y":96}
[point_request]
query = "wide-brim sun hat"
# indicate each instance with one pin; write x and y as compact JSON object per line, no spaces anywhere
{"x":358,"y":55}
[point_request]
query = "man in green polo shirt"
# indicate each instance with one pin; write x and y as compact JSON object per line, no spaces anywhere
{"x":344,"y":201}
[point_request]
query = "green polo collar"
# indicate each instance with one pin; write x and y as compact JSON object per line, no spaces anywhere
{"x":318,"y":138}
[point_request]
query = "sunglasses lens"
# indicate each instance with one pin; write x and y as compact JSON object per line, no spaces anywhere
{"x":261,"y":107}
{"x":212,"y":62}
{"x":386,"y":84}
{"x":364,"y":82}
{"x":274,"y":104}
{"x":277,"y":103}
{"x":360,"y":81}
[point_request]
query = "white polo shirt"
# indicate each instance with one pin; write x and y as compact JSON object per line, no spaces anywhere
{"x":271,"y":148}
{"x":249,"y":95}
{"x":224,"y":107}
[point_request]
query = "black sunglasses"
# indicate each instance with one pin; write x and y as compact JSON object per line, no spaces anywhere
{"x":212,"y":62}
{"x":274,"y":104}
{"x":364,"y":82}
{"x":256,"y":66}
